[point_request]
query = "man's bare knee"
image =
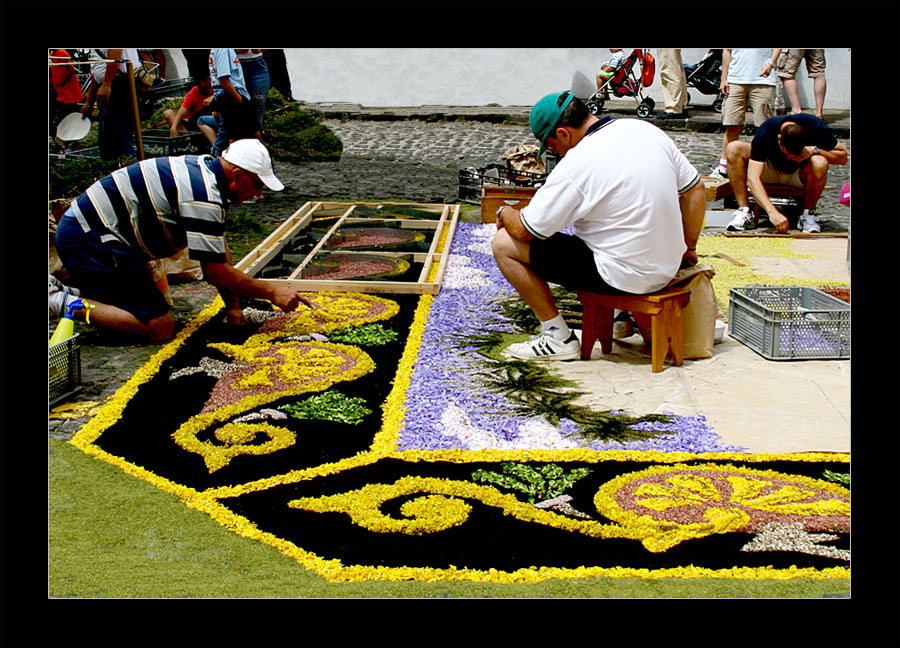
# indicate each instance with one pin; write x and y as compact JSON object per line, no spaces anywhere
{"x":502,"y":244}
{"x":819,"y":166}
{"x":737,"y":151}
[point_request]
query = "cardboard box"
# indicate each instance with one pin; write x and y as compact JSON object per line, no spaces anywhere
{"x":493,"y":197}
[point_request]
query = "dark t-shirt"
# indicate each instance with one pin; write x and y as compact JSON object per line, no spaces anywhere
{"x":765,"y":142}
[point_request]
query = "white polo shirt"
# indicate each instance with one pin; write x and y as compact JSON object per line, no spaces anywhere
{"x":619,"y":189}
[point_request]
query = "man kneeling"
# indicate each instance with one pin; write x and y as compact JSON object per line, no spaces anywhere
{"x":793,"y":150}
{"x":633,"y":200}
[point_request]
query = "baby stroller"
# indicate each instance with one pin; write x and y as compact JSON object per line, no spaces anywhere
{"x":706,"y":76}
{"x":628,"y":82}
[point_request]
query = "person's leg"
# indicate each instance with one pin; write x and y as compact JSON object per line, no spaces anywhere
{"x":762,"y":103}
{"x":815,"y":70}
{"x":256,"y":75}
{"x":680,"y":84}
{"x":117,"y":282}
{"x":513,"y":259}
{"x":819,"y":86}
{"x":738,"y":155}
{"x":732,"y":134}
{"x":121,"y":119}
{"x":787,"y":65}
{"x":208,"y":125}
{"x":733,"y":109}
{"x":813,"y":175}
{"x":158,"y":329}
{"x":672,"y":77}
{"x":169,"y":116}
{"x":793,"y":92}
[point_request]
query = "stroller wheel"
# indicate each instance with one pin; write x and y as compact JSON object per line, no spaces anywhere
{"x":643,"y":110}
{"x":717,"y":104}
{"x":595,"y":106}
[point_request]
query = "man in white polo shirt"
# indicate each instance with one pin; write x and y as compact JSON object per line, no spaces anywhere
{"x":634,"y":203}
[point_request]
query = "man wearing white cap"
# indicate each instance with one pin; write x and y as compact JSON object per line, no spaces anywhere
{"x":152,"y":210}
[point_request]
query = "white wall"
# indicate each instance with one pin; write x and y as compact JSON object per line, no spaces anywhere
{"x":380,"y":77}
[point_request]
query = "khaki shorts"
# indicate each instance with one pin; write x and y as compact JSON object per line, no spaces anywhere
{"x":760,"y":99}
{"x":771,"y":175}
{"x":789,"y":62}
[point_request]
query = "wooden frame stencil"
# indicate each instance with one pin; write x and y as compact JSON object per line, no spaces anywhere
{"x":439,"y":221}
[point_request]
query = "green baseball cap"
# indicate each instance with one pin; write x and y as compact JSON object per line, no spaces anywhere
{"x":545,"y":116}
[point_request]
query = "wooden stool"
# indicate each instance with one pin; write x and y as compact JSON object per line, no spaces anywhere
{"x":666,"y":310}
{"x":777,"y":192}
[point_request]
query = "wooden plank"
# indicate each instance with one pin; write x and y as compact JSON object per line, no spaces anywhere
{"x":716,"y":187}
{"x":797,"y":235}
{"x":445,"y":251}
{"x":429,"y":259}
{"x":257,"y":258}
{"x":404,"y":223}
{"x":367,"y":286}
{"x":299,"y":269}
{"x":418,"y":257}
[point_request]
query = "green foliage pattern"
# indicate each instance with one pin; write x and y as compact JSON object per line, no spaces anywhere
{"x":364,"y":335}
{"x":329,"y":406}
{"x":540,"y":483}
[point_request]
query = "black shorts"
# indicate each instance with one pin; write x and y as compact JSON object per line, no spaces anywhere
{"x":109,"y":272}
{"x":568,"y":261}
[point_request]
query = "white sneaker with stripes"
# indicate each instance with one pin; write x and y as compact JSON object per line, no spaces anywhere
{"x":546,"y":347}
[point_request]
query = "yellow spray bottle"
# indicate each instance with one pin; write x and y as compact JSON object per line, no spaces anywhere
{"x":66,"y":327}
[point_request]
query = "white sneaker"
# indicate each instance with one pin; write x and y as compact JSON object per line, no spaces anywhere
{"x":622,"y":326}
{"x":740,"y":220}
{"x":546,"y":347}
{"x":719,"y":172}
{"x":58,"y":296}
{"x":809,"y":222}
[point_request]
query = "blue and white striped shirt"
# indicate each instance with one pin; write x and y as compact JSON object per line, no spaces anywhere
{"x":160,"y":206}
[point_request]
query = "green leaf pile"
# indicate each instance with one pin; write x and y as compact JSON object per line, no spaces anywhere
{"x":542,"y":483}
{"x":330,"y":406}
{"x":364,"y":335}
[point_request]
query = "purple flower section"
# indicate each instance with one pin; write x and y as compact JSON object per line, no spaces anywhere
{"x":445,"y":407}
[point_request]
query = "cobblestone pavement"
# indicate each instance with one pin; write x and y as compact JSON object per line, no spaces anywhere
{"x":466,"y":143}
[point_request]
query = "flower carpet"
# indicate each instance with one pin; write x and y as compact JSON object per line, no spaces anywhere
{"x":386,"y":438}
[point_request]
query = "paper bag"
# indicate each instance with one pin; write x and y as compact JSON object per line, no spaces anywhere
{"x":700,"y":313}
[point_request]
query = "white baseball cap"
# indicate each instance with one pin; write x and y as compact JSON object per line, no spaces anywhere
{"x":251,"y":155}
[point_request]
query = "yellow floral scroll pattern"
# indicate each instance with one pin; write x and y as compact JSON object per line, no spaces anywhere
{"x":268,"y":369}
{"x":300,"y":367}
{"x":710,"y":510}
{"x":441,"y":507}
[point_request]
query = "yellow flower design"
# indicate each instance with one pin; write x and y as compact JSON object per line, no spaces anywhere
{"x":679,"y":490}
{"x":670,"y":504}
{"x":238,"y":438}
{"x":275,"y":370}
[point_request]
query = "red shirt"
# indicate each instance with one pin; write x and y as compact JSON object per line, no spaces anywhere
{"x":64,"y":80}
{"x":193,"y":103}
